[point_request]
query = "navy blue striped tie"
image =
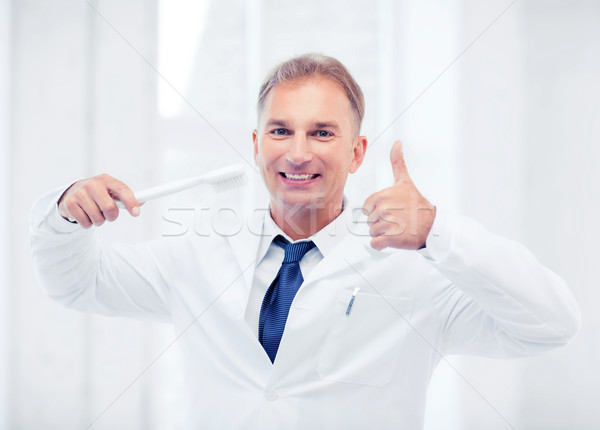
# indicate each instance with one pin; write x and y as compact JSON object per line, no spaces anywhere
{"x":278,"y":299}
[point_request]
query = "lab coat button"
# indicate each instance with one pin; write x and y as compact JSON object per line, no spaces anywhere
{"x":271,"y":395}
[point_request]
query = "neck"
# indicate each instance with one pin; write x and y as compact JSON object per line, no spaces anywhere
{"x":301,"y":222}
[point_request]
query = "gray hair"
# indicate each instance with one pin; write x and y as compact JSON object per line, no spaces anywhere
{"x":314,"y":65}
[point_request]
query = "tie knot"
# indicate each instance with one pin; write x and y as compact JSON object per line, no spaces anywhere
{"x":293,"y":251}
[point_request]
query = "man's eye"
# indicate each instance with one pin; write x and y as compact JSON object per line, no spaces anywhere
{"x":279,"y":132}
{"x":323,"y":133}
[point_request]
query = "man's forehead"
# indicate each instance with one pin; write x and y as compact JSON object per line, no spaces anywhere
{"x":317,"y":83}
{"x":319,"y":95}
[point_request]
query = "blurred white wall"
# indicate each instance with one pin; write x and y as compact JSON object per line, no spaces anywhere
{"x":498,"y":108}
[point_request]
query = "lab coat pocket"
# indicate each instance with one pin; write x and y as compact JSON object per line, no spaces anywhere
{"x":364,"y":346}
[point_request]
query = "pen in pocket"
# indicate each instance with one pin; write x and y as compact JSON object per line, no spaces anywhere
{"x":349,"y":308}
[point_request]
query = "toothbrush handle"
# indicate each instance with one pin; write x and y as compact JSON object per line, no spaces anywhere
{"x":165,"y":189}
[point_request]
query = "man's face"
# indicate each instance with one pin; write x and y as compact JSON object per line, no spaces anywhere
{"x":306,"y":145}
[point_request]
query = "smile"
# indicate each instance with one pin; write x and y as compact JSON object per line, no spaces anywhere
{"x":299,"y":176}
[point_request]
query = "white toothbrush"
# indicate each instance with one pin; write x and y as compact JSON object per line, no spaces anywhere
{"x":221,"y":179}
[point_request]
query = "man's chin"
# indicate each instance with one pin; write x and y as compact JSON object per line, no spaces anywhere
{"x":300,"y":202}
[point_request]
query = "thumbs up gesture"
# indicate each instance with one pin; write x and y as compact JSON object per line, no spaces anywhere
{"x":399,"y":216}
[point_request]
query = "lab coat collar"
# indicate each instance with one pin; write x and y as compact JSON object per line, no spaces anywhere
{"x":349,"y":242}
{"x":325,"y":239}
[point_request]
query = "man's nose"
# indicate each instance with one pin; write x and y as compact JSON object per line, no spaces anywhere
{"x":299,"y":152}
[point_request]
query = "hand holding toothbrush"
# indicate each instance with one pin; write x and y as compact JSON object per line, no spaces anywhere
{"x":95,"y":200}
{"x":92,"y":201}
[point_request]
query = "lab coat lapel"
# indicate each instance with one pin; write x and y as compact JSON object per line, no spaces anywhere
{"x":348,"y":252}
{"x":245,"y":244}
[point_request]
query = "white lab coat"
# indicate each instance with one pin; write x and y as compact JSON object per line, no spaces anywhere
{"x":469,"y":292}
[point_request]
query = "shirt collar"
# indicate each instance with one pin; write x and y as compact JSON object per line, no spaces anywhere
{"x":325,"y":239}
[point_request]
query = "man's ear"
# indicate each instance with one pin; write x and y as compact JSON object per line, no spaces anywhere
{"x":255,"y":140}
{"x":358,"y":153}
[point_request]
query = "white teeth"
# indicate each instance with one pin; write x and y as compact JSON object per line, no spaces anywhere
{"x":303,"y":177}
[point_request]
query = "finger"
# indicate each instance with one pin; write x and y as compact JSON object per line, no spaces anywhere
{"x":398,"y":163}
{"x":98,"y":192}
{"x":386,"y":212}
{"x":90,"y":207}
{"x":75,"y":212}
{"x":391,"y":228}
{"x":122,"y":192}
{"x":373,"y":217}
{"x":378,"y":228}
{"x":380,"y":242}
{"x":108,"y":207}
{"x":385,"y":234}
{"x":370,"y":204}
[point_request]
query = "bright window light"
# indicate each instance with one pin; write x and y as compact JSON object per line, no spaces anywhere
{"x":180,"y":30}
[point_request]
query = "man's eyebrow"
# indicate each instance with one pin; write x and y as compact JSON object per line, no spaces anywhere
{"x":327,"y":124}
{"x":319,"y":124}
{"x":277,"y":122}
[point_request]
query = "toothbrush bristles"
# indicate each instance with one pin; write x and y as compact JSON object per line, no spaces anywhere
{"x":230,"y":183}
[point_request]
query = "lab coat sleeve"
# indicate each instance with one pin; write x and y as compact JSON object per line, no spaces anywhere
{"x":82,"y":272}
{"x":500,"y":301}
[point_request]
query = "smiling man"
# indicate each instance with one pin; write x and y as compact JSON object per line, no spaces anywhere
{"x":307,"y":325}
{"x":306,"y":145}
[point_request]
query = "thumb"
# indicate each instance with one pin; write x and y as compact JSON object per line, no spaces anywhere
{"x":398,"y":163}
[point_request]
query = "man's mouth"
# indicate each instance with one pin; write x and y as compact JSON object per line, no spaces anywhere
{"x":299,"y":176}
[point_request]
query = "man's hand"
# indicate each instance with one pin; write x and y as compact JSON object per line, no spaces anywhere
{"x":399,"y":216}
{"x":92,"y":201}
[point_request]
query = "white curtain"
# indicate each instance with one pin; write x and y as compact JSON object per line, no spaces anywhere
{"x":497,"y":105}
